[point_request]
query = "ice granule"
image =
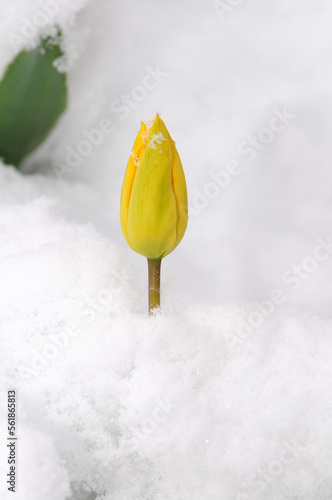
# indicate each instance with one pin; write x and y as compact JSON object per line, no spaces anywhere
{"x":156,"y":140}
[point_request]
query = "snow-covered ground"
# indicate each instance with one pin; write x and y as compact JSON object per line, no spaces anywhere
{"x":226,"y":394}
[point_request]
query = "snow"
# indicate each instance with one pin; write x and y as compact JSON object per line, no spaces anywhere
{"x":226,"y":392}
{"x":155,"y":141}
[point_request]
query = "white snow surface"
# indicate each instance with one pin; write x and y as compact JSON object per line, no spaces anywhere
{"x":226,"y":393}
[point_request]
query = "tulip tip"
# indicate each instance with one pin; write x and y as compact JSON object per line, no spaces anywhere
{"x":150,"y":120}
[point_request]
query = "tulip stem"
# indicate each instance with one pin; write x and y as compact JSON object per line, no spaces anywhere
{"x":154,"y":283}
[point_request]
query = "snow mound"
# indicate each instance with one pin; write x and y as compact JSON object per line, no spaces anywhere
{"x":184,"y":405}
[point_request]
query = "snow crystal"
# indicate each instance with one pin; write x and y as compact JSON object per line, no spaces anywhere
{"x":150,"y":121}
{"x":137,"y":159}
{"x":156,"y":141}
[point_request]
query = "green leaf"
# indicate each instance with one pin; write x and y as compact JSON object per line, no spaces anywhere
{"x":33,"y":94}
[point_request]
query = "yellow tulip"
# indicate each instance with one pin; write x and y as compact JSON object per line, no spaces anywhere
{"x":154,"y":205}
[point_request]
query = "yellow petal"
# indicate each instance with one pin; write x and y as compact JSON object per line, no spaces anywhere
{"x":180,"y":194}
{"x":129,"y":177}
{"x":152,"y":213}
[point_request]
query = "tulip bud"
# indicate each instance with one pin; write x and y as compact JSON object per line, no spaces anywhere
{"x":154,"y":205}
